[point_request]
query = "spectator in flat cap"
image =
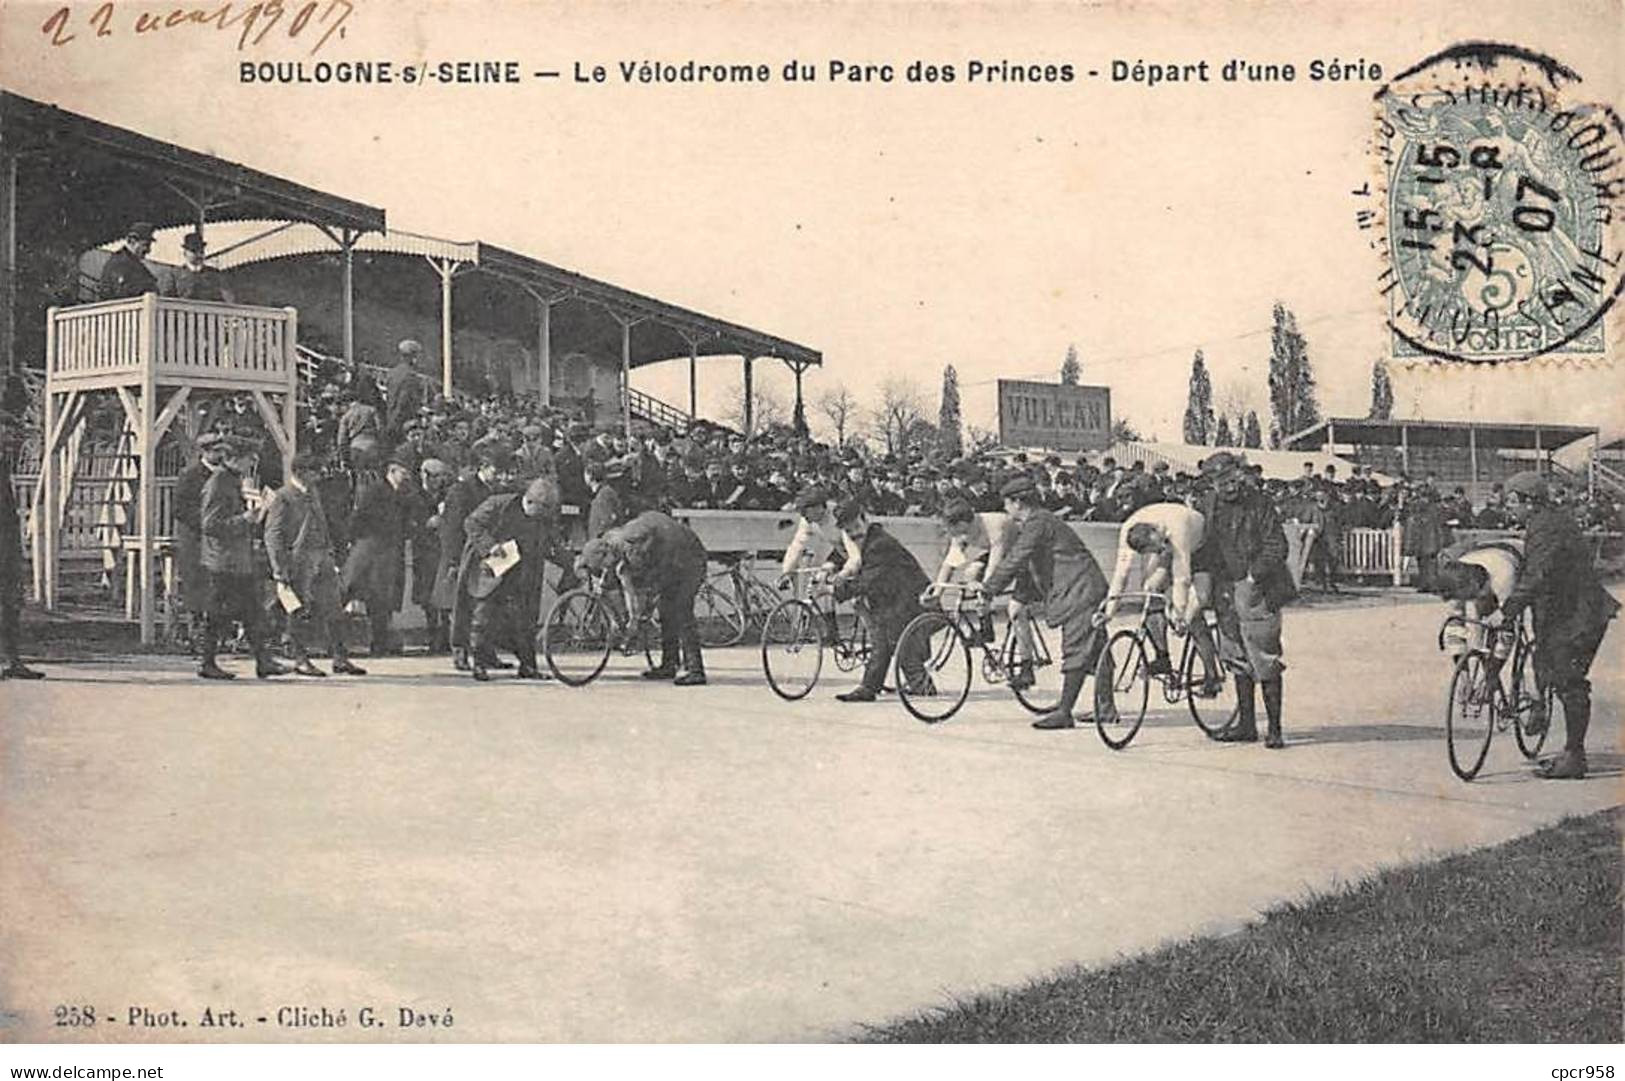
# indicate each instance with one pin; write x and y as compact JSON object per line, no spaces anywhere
{"x":435,"y":478}
{"x":374,"y":567}
{"x":187,"y":505}
{"x":299,"y":545}
{"x":227,"y":554}
{"x":890,"y":581}
{"x":125,"y":274}
{"x":403,"y":389}
{"x":466,"y":494}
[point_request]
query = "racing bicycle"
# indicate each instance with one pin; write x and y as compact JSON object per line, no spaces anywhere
{"x":945,"y":637}
{"x":1124,"y":670}
{"x":587,"y":623}
{"x":802,"y":628}
{"x":1492,"y":686}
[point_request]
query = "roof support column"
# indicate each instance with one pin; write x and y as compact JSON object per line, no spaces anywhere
{"x":693,"y":380}
{"x":447,"y":269}
{"x":347,"y":239}
{"x":544,"y":352}
{"x":799,"y":417}
{"x":1405,"y":451}
{"x":1331,"y":437}
{"x":750,"y":400}
{"x":626,"y":376}
{"x":1540,"y":459}
{"x":1472,"y":456}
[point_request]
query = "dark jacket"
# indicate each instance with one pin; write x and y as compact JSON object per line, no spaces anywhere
{"x":889,"y":578}
{"x":11,"y":537}
{"x":188,"y":510}
{"x":1559,"y":582}
{"x":572,"y":481}
{"x":228,"y":528}
{"x":300,"y":547}
{"x":1244,"y":538}
{"x":461,"y":500}
{"x":1063,"y":571}
{"x":374,"y":565}
{"x":609,"y":509}
{"x":123,"y":275}
{"x":404,"y":396}
{"x":500,"y":519}
{"x":662,"y":552}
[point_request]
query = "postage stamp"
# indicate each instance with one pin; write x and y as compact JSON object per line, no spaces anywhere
{"x":1500,"y":194}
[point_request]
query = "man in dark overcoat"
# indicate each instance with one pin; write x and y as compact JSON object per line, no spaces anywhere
{"x":227,"y":555}
{"x":299,"y":547}
{"x":656,"y":553}
{"x":890,"y":581}
{"x":1558,"y":581}
{"x":374,"y":566}
{"x":506,"y":615}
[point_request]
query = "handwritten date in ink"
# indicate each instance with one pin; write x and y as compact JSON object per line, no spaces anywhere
{"x":253,"y":22}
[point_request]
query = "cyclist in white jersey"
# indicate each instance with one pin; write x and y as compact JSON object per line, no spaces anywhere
{"x":1475,"y":578}
{"x":1167,"y":539}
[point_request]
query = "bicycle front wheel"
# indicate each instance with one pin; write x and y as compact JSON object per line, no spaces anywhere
{"x":933,"y":667}
{"x":1211,"y":697}
{"x":718,"y":617}
{"x":1469,"y":716}
{"x":1122,"y":689}
{"x":792,"y":649}
{"x":577,"y":636}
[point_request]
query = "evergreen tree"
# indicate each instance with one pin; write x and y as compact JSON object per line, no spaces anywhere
{"x":1251,"y":435}
{"x":950,"y":433}
{"x":1292,"y":381}
{"x":1382,"y":393}
{"x":1071,"y":370}
{"x":1199,"y":404}
{"x":1223,"y":436}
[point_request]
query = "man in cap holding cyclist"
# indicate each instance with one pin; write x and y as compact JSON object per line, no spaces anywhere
{"x":1559,"y":583}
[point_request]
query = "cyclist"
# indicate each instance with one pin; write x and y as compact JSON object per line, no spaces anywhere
{"x":817,"y":523}
{"x":976,"y":543}
{"x":1167,"y":538}
{"x":1475,"y":578}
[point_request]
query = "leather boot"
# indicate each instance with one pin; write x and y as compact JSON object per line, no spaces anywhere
{"x":1272,"y":711}
{"x":1244,"y":729}
{"x":208,"y":669}
{"x":459,"y":659}
{"x":1061,"y":716}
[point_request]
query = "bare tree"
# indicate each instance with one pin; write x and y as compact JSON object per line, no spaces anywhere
{"x":769,"y":409}
{"x":979,"y":439}
{"x":902,"y":405}
{"x":841,"y":407}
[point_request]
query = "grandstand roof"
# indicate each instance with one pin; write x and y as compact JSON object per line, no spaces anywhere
{"x":1509,"y":435}
{"x":1277,"y":464}
{"x":106,"y":177}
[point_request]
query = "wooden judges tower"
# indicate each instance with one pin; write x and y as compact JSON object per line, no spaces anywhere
{"x":160,"y":356}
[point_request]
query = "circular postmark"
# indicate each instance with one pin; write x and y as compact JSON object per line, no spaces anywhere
{"x":1500,"y":207}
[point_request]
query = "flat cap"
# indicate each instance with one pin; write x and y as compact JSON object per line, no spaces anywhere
{"x":1020,"y":484}
{"x":1221,"y":462}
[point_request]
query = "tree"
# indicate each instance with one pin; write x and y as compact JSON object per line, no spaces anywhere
{"x":950,"y":431}
{"x":1292,"y":381}
{"x":838,"y":404}
{"x":1223,"y":436}
{"x":1123,"y":431}
{"x":979,"y":439}
{"x":1071,"y":370}
{"x":901,"y":406}
{"x":1382,"y":393}
{"x":1199,"y":404}
{"x":768,"y":409}
{"x":1251,"y":435}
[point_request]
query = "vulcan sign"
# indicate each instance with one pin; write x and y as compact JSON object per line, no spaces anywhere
{"x":1054,"y":415}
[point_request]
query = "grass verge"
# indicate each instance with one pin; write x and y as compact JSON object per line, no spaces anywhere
{"x":1519,"y":943}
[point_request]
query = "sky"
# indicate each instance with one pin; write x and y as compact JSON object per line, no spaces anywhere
{"x":897,"y":227}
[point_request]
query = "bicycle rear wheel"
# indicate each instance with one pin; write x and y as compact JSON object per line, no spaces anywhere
{"x":936,"y":693}
{"x":1123,"y":679}
{"x":1036,"y":680}
{"x":792,"y":649}
{"x":718,"y":617}
{"x":1469,"y":716}
{"x":1213,"y":703}
{"x":576,"y":637}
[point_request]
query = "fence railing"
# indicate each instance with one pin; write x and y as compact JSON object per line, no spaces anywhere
{"x":195,"y":338}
